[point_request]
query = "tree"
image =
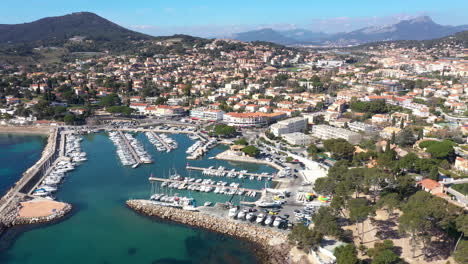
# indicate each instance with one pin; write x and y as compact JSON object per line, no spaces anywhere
{"x":251,"y":151}
{"x":383,"y":253}
{"x":346,"y":254}
{"x":462,"y":226}
{"x":461,"y":254}
{"x":340,"y":148}
{"x":359,"y":210}
{"x":241,"y":141}
{"x":110,"y":100}
{"x":389,"y":201}
{"x":405,"y":138}
{"x":326,"y":222}
{"x":304,"y":238}
{"x":312,"y":150}
{"x":440,"y":149}
{"x":434,"y":173}
{"x":224,"y":130}
{"x":69,"y":119}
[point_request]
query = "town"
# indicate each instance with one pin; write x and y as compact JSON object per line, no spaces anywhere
{"x":369,"y":143}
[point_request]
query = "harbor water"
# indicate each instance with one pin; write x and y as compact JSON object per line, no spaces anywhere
{"x":17,"y":153}
{"x":101,"y":229}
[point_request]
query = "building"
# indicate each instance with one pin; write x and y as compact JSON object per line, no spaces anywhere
{"x":251,"y":119}
{"x":139,"y":107}
{"x":297,"y":138}
{"x":328,"y":132}
{"x":431,"y":186}
{"x":296,"y":124}
{"x":389,"y":131}
{"x":362,"y":127}
{"x":461,"y":164}
{"x":164,"y":110}
{"x":207,"y":114}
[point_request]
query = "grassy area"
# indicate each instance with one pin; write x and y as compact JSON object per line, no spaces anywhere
{"x":463,"y":188}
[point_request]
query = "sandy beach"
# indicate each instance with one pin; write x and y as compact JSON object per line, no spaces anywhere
{"x":35,"y":130}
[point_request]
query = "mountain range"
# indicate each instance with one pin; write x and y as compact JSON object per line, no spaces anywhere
{"x":420,"y":28}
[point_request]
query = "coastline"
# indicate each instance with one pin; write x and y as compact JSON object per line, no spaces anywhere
{"x":33,"y":130}
{"x":10,"y":203}
{"x":269,"y":246}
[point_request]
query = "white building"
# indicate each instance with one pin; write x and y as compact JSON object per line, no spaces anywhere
{"x":296,"y":124}
{"x":362,"y":127}
{"x":207,"y":114}
{"x":297,"y":138}
{"x":328,"y":132}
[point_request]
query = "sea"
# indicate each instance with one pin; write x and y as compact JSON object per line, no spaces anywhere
{"x":101,"y":229}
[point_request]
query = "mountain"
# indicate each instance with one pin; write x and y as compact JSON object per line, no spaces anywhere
{"x":266,"y":34}
{"x":304,"y":35}
{"x":419,"y":28}
{"x":59,"y":28}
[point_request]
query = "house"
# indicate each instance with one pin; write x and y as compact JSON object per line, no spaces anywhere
{"x":139,"y":107}
{"x":388,"y":132}
{"x":380,"y":118}
{"x":431,"y":186}
{"x":461,"y":164}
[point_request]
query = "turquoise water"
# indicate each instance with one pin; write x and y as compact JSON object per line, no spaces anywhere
{"x":102,"y":230}
{"x":17,"y":153}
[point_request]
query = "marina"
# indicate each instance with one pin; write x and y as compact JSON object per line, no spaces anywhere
{"x":205,"y":185}
{"x":98,"y":188}
{"x":223,"y":172}
{"x":72,"y":156}
{"x":162,"y":142}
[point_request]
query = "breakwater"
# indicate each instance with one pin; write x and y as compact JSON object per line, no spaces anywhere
{"x":272,"y":246}
{"x":43,"y":219}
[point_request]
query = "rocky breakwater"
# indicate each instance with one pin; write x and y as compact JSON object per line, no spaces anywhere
{"x":270,"y":246}
{"x":43,"y":219}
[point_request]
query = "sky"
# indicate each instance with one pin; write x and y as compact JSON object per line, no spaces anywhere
{"x":217,"y":18}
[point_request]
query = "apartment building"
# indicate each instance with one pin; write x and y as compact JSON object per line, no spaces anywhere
{"x":207,"y":114}
{"x":328,"y":132}
{"x":297,"y":138}
{"x":362,"y":127}
{"x":296,"y":124}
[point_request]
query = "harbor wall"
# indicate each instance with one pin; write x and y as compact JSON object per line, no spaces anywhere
{"x":272,"y":246}
{"x":10,"y":202}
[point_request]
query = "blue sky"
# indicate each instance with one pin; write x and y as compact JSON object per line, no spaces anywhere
{"x":220,"y":17}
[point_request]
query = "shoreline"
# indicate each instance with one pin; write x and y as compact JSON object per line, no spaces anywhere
{"x":10,"y":201}
{"x":29,"y":130}
{"x":269,"y":246}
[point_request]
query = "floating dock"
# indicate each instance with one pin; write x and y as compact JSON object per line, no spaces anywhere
{"x":168,"y":148}
{"x":237,"y":173}
{"x":130,"y":147}
{"x":203,"y":184}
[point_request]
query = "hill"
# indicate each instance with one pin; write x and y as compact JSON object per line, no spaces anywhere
{"x":83,"y":24}
{"x":459,"y":39}
{"x":266,"y":34}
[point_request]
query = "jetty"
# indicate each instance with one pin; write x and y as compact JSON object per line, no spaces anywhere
{"x":236,"y":173}
{"x":253,"y":191}
{"x":130,"y":147}
{"x":168,"y":148}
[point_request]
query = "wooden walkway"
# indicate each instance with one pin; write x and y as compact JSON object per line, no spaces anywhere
{"x":130,"y":147}
{"x":237,"y":173}
{"x":202,"y":184}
